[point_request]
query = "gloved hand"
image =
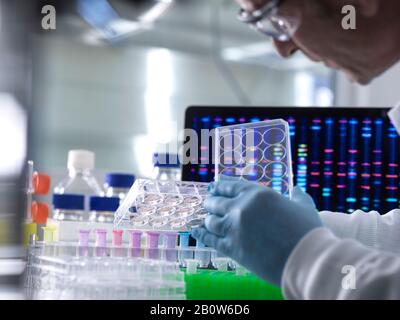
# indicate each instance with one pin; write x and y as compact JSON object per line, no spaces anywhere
{"x":256,"y":226}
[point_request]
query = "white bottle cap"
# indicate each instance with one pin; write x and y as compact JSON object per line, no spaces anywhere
{"x":81,"y":159}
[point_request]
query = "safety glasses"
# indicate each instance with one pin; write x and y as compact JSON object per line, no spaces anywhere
{"x":267,"y":21}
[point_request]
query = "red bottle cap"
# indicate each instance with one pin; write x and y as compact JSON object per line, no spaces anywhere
{"x":41,"y":183}
{"x":40,"y":212}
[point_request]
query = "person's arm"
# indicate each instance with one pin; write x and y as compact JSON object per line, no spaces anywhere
{"x":369,"y":228}
{"x":321,"y":267}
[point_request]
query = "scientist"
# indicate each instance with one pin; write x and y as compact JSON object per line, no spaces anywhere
{"x":287,"y":242}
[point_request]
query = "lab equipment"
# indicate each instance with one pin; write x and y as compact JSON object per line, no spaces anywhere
{"x":84,"y":237}
{"x":202,"y":256}
{"x":68,"y":207}
{"x":101,"y":243}
{"x":36,"y":212}
{"x":170,"y":242}
{"x":117,"y":242}
{"x":221,"y":264}
{"x":162,"y":206}
{"x":103,"y":278}
{"x":118,"y":185}
{"x":264,"y":228}
{"x":204,"y":284}
{"x":159,"y":246}
{"x":80,"y":179}
{"x":185,"y":253}
{"x":41,"y":183}
{"x":152,"y":250}
{"x":40,"y":212}
{"x":267,"y":21}
{"x":30,"y":227}
{"x":258,"y":152}
{"x":166,"y":167}
{"x":134,"y":238}
{"x":49,"y":234}
{"x":345,"y":158}
{"x":117,"y":238}
{"x":102,"y":208}
{"x":101,"y":238}
{"x":191,"y":266}
{"x":83,"y":243}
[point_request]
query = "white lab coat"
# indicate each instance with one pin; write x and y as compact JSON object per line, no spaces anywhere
{"x":368,"y":243}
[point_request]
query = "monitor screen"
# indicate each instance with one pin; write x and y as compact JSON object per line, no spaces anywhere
{"x":345,"y":158}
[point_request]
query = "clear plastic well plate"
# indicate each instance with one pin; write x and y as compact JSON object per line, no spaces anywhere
{"x":258,"y":152}
{"x":162,"y":206}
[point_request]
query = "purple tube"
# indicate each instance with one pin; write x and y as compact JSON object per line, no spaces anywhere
{"x":134,"y":239}
{"x":152,"y":245}
{"x":135,"y":252}
{"x":152,"y":239}
{"x":170,"y":240}
{"x":117,"y":238}
{"x":101,"y":238}
{"x":84,"y":237}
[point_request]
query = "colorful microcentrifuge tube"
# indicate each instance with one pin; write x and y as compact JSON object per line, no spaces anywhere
{"x":84,"y":237}
{"x":135,"y":238}
{"x":240,"y":270}
{"x":170,"y":240}
{"x":191,"y":266}
{"x":202,"y":255}
{"x":117,"y":238}
{"x":152,"y":250}
{"x":101,"y":242}
{"x":117,"y":250}
{"x":184,"y":253}
{"x":48,"y":234}
{"x":83,"y":242}
{"x":221,"y":264}
{"x":49,"y":239}
{"x":152,"y":239}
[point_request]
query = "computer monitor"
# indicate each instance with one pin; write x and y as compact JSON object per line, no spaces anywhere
{"x":345,"y":158}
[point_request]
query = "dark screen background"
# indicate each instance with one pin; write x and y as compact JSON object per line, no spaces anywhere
{"x":345,"y":158}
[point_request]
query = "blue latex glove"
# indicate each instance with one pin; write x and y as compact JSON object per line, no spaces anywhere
{"x":256,"y":226}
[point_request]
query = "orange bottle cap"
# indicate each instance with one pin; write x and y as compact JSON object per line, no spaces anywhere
{"x":41,"y":183}
{"x":40,"y":212}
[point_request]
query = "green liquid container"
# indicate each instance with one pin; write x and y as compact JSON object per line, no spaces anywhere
{"x":227,"y":285}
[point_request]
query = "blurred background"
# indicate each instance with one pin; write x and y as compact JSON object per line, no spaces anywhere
{"x":116,"y":76}
{"x":122,"y":98}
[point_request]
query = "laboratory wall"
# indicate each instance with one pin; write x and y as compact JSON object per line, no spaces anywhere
{"x":383,"y":91}
{"x":124,"y":102}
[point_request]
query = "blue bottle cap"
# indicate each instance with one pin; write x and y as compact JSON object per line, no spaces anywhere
{"x":166,"y":160}
{"x":68,"y":201}
{"x":104,"y":204}
{"x":118,"y":180}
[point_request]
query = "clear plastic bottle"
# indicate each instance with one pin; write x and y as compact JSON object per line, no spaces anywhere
{"x":80,"y":179}
{"x":118,"y":185}
{"x":166,"y":167}
{"x":68,"y":207}
{"x":102,"y":209}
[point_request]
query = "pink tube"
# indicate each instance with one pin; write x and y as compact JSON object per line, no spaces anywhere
{"x":152,"y":239}
{"x":135,"y":239}
{"x":117,"y":238}
{"x":101,"y":238}
{"x":84,"y":237}
{"x":170,"y":240}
